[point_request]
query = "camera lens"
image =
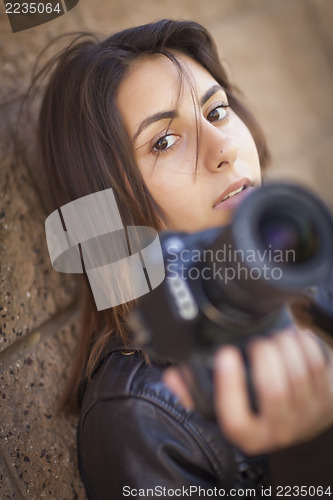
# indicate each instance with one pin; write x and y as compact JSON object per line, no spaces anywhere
{"x":289,"y":233}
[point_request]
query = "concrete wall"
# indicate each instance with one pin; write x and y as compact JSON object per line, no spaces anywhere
{"x":278,"y":51}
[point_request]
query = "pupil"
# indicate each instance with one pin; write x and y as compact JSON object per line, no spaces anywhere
{"x":213,"y":115}
{"x":162,"y":143}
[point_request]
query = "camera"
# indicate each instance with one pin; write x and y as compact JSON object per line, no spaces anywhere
{"x":232,"y":284}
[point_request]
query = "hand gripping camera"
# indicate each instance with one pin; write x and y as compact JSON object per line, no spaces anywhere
{"x":232,"y":284}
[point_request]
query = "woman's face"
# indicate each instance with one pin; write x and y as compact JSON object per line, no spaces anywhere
{"x":192,"y":152}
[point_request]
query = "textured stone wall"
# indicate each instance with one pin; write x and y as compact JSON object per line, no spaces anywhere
{"x":278,"y":51}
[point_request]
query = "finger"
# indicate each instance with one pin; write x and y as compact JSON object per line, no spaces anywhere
{"x":273,"y":391}
{"x":319,"y":364}
{"x":173,"y":379}
{"x":232,"y":404}
{"x":299,"y":374}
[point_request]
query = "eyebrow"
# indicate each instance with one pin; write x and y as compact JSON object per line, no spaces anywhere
{"x":162,"y":115}
{"x":172,"y":114}
{"x":208,"y":94}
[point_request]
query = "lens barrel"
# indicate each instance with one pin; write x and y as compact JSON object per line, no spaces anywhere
{"x":282,"y":236}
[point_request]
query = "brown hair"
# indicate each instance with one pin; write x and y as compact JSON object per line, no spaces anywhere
{"x":86,"y":148}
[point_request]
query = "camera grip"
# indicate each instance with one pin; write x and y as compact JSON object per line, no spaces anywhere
{"x":250,"y":383}
{"x":198,"y":377}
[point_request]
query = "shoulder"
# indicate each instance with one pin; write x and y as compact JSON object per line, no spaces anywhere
{"x":124,"y":374}
{"x":137,"y":394}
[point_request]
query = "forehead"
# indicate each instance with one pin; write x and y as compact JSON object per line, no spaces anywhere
{"x":153,"y":85}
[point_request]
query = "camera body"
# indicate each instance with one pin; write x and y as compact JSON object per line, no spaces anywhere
{"x":232,"y":284}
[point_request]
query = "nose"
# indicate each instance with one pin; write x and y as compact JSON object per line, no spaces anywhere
{"x":217,"y":150}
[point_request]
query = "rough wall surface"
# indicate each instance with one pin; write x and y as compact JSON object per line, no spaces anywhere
{"x":278,"y":51}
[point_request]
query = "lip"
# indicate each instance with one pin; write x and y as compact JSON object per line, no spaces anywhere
{"x":231,"y":204}
{"x":232,"y":187}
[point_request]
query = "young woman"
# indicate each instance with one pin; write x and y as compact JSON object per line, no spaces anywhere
{"x":151,"y":113}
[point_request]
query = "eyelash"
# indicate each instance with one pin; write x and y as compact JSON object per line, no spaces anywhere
{"x":223,"y":105}
{"x":166,"y":150}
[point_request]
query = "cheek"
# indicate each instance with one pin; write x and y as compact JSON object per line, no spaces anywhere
{"x":159,"y":185}
{"x":170,"y":179}
{"x":248,"y":153}
{"x":167,"y":190}
{"x":174,"y":192}
{"x":247,"y":141}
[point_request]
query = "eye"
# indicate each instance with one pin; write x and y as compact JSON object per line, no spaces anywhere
{"x":218,"y":113}
{"x":165,"y":142}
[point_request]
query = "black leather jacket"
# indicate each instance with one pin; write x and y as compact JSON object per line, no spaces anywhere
{"x":134,"y":434}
